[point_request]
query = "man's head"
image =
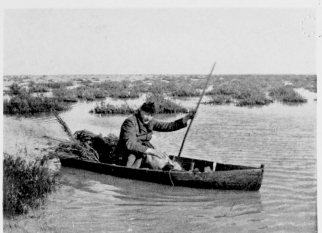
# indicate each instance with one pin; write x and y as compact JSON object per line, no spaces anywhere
{"x":147,"y":111}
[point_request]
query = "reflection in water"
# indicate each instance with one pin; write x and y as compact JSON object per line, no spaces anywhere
{"x":146,"y":204}
{"x":280,"y":136}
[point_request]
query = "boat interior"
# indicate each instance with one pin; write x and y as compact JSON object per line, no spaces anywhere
{"x":198,"y":165}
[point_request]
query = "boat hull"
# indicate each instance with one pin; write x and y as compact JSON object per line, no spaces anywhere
{"x":225,"y":177}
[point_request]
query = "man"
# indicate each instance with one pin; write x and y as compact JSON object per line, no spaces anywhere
{"x":136,"y":133}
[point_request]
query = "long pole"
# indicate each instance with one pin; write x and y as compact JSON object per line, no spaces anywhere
{"x":203,"y":93}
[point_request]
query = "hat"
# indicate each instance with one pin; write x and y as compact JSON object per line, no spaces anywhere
{"x":149,"y":107}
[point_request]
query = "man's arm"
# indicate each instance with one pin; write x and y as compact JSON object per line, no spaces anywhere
{"x":168,"y":126}
{"x":172,"y":126}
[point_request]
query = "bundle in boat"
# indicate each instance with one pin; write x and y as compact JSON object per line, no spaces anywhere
{"x":90,"y":146}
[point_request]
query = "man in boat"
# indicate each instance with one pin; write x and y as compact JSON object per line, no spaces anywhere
{"x":136,"y":132}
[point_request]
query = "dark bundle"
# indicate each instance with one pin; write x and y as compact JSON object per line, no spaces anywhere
{"x":104,"y":146}
{"x":75,"y":147}
{"x":87,"y":145}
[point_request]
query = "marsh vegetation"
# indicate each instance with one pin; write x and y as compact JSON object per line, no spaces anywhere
{"x":240,"y":90}
{"x":26,"y":184}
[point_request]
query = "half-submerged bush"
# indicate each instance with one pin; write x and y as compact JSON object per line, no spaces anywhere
{"x":15,"y":89}
{"x":106,"y":108}
{"x":65,"y":94}
{"x":56,"y":85}
{"x":219,"y":99}
{"x":164,"y":105}
{"x":27,"y":104}
{"x":122,"y":90}
{"x":244,"y":94}
{"x":286,"y":94}
{"x":25,"y":185}
{"x":182,"y":89}
{"x":125,"y":94}
{"x":36,"y":88}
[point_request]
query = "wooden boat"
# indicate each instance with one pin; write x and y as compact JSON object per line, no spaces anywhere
{"x":197,"y":173}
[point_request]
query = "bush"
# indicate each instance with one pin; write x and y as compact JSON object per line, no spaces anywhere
{"x":15,"y":89}
{"x":286,"y":94}
{"x":56,"y":85}
{"x":85,"y":93}
{"x":36,"y":88}
{"x":27,"y":104}
{"x":104,"y":108}
{"x":182,"y":89}
{"x":164,"y":105}
{"x":65,"y":95}
{"x":125,"y":94}
{"x":25,"y":185}
{"x":219,"y":99}
{"x":159,"y":87}
{"x":245,"y":93}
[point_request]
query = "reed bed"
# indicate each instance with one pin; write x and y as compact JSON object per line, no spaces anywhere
{"x":26,"y":185}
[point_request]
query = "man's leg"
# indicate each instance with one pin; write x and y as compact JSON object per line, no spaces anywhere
{"x":132,"y":161}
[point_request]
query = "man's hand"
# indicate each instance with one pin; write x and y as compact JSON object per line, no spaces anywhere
{"x":191,"y":114}
{"x":156,"y":153}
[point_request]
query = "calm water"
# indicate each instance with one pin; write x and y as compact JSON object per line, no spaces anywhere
{"x":280,"y":136}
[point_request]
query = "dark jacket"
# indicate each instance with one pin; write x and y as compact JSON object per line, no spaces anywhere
{"x":135,"y":136}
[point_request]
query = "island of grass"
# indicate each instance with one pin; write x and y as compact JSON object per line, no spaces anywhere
{"x":286,"y":94}
{"x":26,"y":104}
{"x":163,"y":106}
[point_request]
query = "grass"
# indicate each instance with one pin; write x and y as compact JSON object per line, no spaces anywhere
{"x":243,"y":93}
{"x":79,"y":93}
{"x":164,"y":105}
{"x":36,"y":88}
{"x":106,"y":108}
{"x":65,"y":95}
{"x":121,"y":90}
{"x":124,"y":94}
{"x":26,"y":185}
{"x":243,"y":90}
{"x":182,"y":89}
{"x":15,"y":89}
{"x":286,"y":94}
{"x":26,"y":104}
{"x":56,"y":85}
{"x":219,"y":99}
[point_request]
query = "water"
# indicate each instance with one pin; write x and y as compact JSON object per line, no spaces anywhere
{"x":282,"y":137}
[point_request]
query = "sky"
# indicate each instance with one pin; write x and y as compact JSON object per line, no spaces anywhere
{"x":53,"y":41}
